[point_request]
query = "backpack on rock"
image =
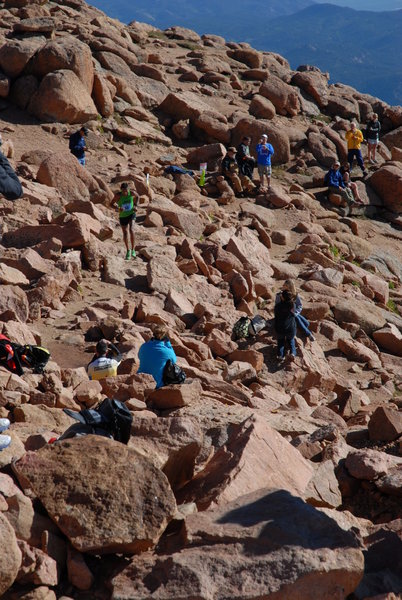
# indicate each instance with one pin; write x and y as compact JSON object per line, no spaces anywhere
{"x":246,"y":327}
{"x":111,"y":418}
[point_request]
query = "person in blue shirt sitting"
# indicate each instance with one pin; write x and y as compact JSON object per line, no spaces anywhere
{"x":336,"y":185}
{"x":78,"y":145}
{"x":155,"y":353}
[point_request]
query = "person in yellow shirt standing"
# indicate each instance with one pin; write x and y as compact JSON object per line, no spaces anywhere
{"x":354,"y":138}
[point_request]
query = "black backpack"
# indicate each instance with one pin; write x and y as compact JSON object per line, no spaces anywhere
{"x":111,"y":418}
{"x":172,"y":373}
{"x":34,"y":357}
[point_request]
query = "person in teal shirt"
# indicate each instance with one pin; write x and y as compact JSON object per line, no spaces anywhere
{"x":126,"y":202}
{"x":155,"y":353}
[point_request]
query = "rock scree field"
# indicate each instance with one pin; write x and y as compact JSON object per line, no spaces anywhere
{"x":255,"y":479}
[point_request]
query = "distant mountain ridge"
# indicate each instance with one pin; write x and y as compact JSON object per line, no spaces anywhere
{"x":209,"y":16}
{"x":359,"y":48}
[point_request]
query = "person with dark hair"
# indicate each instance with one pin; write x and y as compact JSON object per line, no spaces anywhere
{"x":230,"y":170}
{"x":372,"y":136}
{"x":155,"y":353}
{"x":77,"y":144}
{"x":264,"y":153}
{"x":352,"y":185}
{"x":127,"y":202}
{"x":105,"y":361}
{"x":10,"y":185}
{"x":245,"y":161}
{"x":301,"y":321}
{"x":285,"y":323}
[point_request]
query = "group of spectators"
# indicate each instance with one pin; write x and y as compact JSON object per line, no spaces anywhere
{"x":338,"y":177}
{"x":238,"y":166}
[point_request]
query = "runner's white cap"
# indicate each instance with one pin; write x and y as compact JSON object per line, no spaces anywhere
{"x":264,"y":135}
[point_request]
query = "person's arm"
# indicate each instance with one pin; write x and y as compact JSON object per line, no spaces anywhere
{"x":359,"y":136}
{"x":340,"y":183}
{"x":114,"y":353}
{"x":272,"y":150}
{"x":114,"y":200}
{"x":298,"y":306}
{"x":170,"y":353}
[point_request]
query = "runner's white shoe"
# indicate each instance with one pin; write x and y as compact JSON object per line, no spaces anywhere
{"x":5,"y":441}
{"x":4,"y":424}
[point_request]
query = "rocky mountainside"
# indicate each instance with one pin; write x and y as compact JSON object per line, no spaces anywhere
{"x":254,"y":479}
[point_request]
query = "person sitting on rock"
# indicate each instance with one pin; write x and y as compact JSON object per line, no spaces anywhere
{"x":285,"y":324}
{"x":5,"y":440}
{"x":155,"y":353}
{"x":345,"y":172}
{"x":334,"y":180}
{"x":230,"y":171}
{"x":10,"y":185}
{"x":78,"y":145}
{"x":244,"y":160}
{"x":127,"y":202}
{"x":105,"y":361}
{"x":301,"y":321}
{"x":354,"y":138}
{"x":264,"y":153}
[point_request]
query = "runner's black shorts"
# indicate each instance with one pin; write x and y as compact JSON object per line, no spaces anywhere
{"x":124,"y":221}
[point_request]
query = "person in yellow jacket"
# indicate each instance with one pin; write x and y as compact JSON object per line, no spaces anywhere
{"x":354,"y":138}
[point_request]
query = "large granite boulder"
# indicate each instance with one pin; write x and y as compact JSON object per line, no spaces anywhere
{"x":103,"y":495}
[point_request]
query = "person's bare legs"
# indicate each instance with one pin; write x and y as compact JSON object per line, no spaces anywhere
{"x":125,"y":237}
{"x":131,"y":236}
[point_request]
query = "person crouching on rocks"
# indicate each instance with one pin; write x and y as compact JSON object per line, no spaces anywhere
{"x":155,"y":353}
{"x":301,"y":321}
{"x":230,"y":171}
{"x":241,"y":184}
{"x":127,"y":202}
{"x":285,"y":324}
{"x":105,"y":361}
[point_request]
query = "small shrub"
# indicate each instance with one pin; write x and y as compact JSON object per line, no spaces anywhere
{"x":159,"y":35}
{"x":392,"y":307}
{"x":356,"y":284}
{"x":188,"y":45}
{"x":391,"y":285}
{"x":334,"y":251}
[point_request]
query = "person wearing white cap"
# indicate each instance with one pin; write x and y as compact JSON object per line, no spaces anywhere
{"x":264,"y":153}
{"x":5,"y":440}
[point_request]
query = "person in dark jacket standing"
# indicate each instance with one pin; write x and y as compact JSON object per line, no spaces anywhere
{"x":245,"y":161}
{"x":10,"y":185}
{"x":285,"y":323}
{"x":372,"y":135}
{"x":77,"y":144}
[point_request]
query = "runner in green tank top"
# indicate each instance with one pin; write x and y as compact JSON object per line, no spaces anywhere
{"x":126,"y":202}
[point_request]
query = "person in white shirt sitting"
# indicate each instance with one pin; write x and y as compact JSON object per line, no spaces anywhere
{"x":105,"y":361}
